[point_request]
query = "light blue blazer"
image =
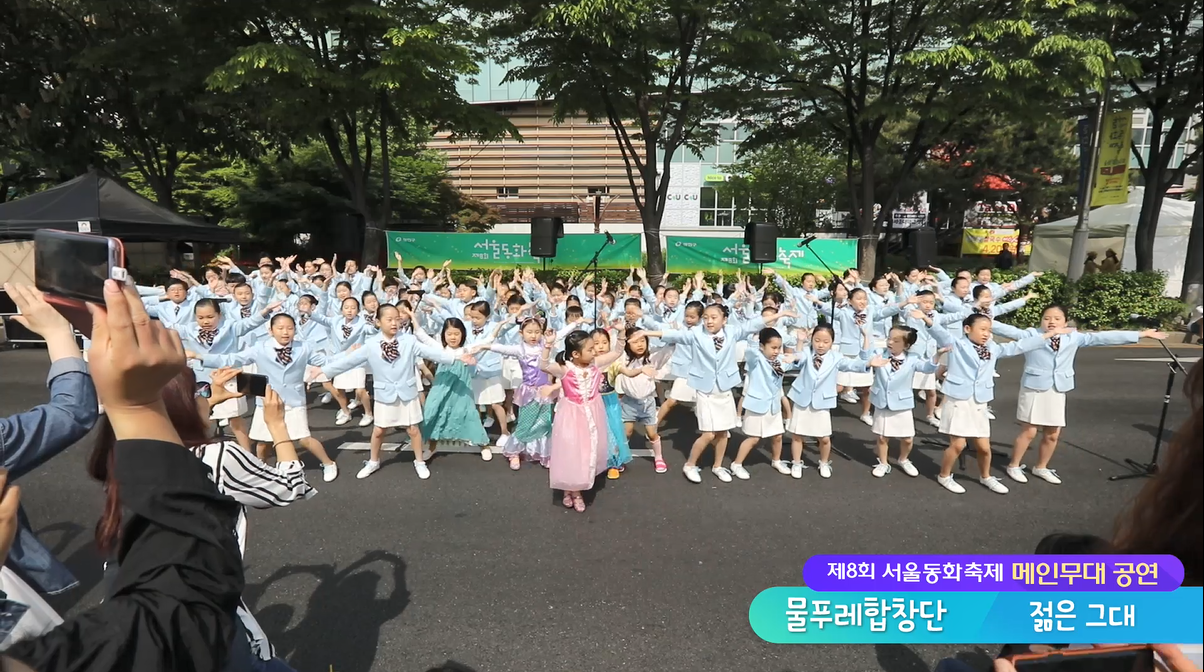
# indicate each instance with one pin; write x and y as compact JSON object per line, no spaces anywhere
{"x":713,"y":371}
{"x":228,"y":339}
{"x":314,"y":328}
{"x":967,"y":375}
{"x":171,"y":314}
{"x":763,"y":391}
{"x":287,"y":379}
{"x":892,"y":389}
{"x":1045,"y":369}
{"x":393,"y":382}
{"x":817,"y":388}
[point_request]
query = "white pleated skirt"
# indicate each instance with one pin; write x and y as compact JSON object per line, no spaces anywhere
{"x":295,"y":419}
{"x":763,"y":425}
{"x":741,"y":350}
{"x":810,"y":422}
{"x":488,"y":391}
{"x":894,"y":424}
{"x":716,"y":412}
{"x":682,"y":392}
{"x":923,"y":381}
{"x":355,"y":379}
{"x":852,"y":378}
{"x":1043,"y":409}
{"x":397,"y":414}
{"x":965,"y":418}
{"x":512,"y":374}
{"x":230,"y":408}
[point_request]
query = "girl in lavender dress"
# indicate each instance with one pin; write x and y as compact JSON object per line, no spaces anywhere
{"x":579,"y":433}
{"x":534,"y":415}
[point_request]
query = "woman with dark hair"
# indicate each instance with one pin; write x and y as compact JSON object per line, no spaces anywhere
{"x":236,"y":473}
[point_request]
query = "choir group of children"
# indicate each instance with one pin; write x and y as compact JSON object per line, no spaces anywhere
{"x":566,"y":372}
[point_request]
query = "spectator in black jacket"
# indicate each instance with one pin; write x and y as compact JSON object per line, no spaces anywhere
{"x":174,"y":597}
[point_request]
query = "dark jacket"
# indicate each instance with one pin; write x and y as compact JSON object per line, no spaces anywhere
{"x":180,"y":578}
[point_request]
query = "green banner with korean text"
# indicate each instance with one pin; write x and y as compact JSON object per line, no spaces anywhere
{"x":507,"y":250}
{"x":689,"y":254}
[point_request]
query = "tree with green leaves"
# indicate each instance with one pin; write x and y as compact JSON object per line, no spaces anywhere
{"x":1165,"y":39}
{"x":646,"y":68}
{"x":355,"y":75}
{"x":784,"y":184}
{"x":888,"y":81}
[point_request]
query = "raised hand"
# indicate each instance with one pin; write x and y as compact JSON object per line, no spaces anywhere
{"x":878,"y":361}
{"x":1153,"y":333}
{"x":36,"y":314}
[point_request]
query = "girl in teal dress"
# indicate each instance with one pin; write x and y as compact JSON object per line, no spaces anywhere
{"x":619,"y":453}
{"x":451,"y":413}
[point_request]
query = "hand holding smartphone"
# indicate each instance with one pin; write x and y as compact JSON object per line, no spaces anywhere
{"x":1119,"y":658}
{"x":71,"y":269}
{"x":252,"y":384}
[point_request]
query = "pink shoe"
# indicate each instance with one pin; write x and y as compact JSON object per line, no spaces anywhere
{"x":515,"y":463}
{"x":567,"y":501}
{"x":579,"y":503}
{"x":661,"y":466}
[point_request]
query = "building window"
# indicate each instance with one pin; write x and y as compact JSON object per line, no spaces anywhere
{"x":715,"y":209}
{"x":507,"y":192}
{"x":598,"y":191}
{"x":1143,"y":133}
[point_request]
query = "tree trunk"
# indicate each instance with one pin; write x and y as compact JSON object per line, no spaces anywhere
{"x":374,"y":229}
{"x":1193,"y":268}
{"x":1147,"y":224}
{"x":867,"y":241}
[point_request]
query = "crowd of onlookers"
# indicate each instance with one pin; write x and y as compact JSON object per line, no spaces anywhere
{"x":171,"y":525}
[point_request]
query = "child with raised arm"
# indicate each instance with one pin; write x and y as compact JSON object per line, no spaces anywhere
{"x":579,"y":441}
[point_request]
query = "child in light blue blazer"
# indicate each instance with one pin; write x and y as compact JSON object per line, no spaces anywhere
{"x":680,"y":391}
{"x":762,"y":400}
{"x":894,"y":399}
{"x":347,"y":331}
{"x":1048,"y":376}
{"x":392,"y":356}
{"x":713,"y":374}
{"x":849,"y":321}
{"x":813,"y":395}
{"x":969,"y":387}
{"x":285,"y":361}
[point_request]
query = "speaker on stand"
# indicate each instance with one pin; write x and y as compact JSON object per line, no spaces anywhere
{"x":923,"y":247}
{"x":545,"y":233}
{"x":762,"y":241}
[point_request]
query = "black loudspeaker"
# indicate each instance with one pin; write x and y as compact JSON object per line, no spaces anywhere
{"x":923,"y":247}
{"x":762,"y":241}
{"x":545,"y":231}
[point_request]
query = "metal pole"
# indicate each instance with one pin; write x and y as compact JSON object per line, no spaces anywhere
{"x":1082,"y":233}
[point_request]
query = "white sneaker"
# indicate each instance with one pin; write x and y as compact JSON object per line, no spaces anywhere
{"x":881,"y":469}
{"x":781,"y":466}
{"x":223,"y":423}
{"x":994,"y":485}
{"x":421,"y":470}
{"x":325,"y":399}
{"x":722,"y":474}
{"x":1048,"y":475}
{"x":353,"y":404}
{"x":693,"y":474}
{"x":796,"y":469}
{"x":923,"y":394}
{"x":489,"y":422}
{"x":868,"y":419}
{"x":936,"y":413}
{"x":825,"y":469}
{"x":849,"y":396}
{"x":908,"y":468}
{"x":996,"y":373}
{"x":740,"y":472}
{"x":990,"y":413}
{"x":370,"y":468}
{"x":501,"y":441}
{"x":342,"y":418}
{"x":951,"y":485}
{"x":486,"y":454}
{"x":1017,"y":474}
{"x":933,"y":420}
{"x":330,"y":472}
{"x":367,"y":420}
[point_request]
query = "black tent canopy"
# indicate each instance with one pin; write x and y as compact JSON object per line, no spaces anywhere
{"x":109,"y":208}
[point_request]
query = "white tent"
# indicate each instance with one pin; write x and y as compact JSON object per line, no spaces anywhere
{"x":1114,"y":227}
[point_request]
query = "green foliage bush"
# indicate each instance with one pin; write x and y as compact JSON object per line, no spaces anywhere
{"x":1099,"y":301}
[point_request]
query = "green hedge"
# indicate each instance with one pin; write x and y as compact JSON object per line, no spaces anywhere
{"x":1101,"y":300}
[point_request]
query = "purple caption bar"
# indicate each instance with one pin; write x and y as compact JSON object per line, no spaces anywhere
{"x":992,"y":573}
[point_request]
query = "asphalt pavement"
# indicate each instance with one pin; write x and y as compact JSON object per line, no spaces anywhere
{"x":484,"y":566}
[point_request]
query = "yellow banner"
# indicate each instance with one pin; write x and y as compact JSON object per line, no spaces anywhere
{"x":988,"y":242}
{"x":1112,"y":174}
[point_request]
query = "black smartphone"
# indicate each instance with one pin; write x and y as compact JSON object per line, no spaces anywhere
{"x":252,"y":384}
{"x":74,"y":266}
{"x":1104,"y":659}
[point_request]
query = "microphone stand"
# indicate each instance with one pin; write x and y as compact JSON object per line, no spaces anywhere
{"x":593,"y":263}
{"x":807,"y":245}
{"x":1142,"y":470}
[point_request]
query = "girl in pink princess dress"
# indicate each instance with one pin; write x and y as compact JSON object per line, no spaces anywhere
{"x":579,"y":432}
